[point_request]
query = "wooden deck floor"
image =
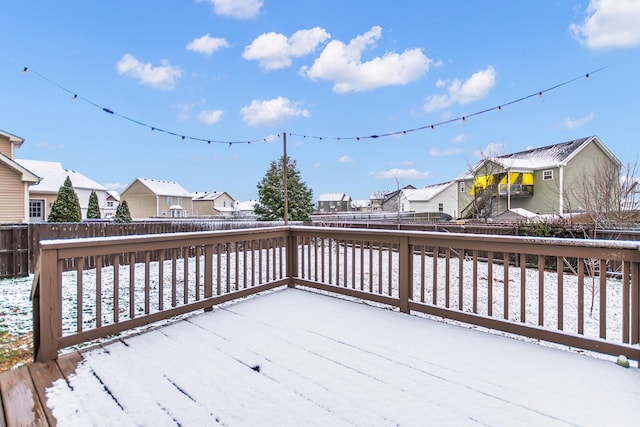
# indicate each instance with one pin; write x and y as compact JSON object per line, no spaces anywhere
{"x":292,"y":358}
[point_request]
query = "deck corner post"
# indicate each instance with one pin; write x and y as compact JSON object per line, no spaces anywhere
{"x":292,"y":259}
{"x":47,"y":319}
{"x":404,"y":274}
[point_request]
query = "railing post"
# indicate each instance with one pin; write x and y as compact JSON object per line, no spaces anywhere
{"x":404,"y":274}
{"x":635,"y":303}
{"x":48,"y":322}
{"x":292,"y":258}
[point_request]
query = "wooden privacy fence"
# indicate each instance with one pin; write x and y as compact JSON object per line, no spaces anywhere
{"x":559,"y":290}
{"x":19,"y":243}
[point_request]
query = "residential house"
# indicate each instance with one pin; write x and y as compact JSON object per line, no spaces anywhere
{"x":15,"y":180}
{"x":391,"y":201}
{"x":43,"y":194}
{"x":363,"y":205}
{"x":334,"y":202}
{"x":375,"y":200}
{"x":113,"y":200}
{"x":213,"y":203}
{"x":436,"y":199}
{"x":543,"y":180}
{"x":153,"y":198}
{"x":245,"y":209}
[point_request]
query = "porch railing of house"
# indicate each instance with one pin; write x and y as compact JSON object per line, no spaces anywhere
{"x":579,"y":293}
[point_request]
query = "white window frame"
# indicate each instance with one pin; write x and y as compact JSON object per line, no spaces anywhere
{"x":169,"y":200}
{"x":547,"y":175}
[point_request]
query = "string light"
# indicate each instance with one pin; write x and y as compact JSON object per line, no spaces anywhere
{"x":464,"y":118}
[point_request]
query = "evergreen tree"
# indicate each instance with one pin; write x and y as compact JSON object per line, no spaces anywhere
{"x":66,"y":207}
{"x":93,"y":212}
{"x":122,"y":213}
{"x":271,"y":194}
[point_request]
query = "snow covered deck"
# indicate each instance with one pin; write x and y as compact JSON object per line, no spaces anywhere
{"x":295,"y":357}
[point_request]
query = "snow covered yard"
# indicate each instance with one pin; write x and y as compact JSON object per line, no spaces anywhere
{"x":292,"y":357}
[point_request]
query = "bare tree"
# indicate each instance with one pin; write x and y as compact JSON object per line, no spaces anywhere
{"x":487,"y":175}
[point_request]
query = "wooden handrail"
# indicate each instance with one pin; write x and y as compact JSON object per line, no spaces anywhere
{"x":392,"y":267}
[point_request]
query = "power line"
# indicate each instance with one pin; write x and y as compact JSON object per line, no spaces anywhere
{"x":184,"y":137}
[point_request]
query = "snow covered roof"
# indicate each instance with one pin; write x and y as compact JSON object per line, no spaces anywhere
{"x":425,"y":194}
{"x":246,"y":206}
{"x":360,"y":203}
{"x":163,"y":188}
{"x":53,"y":176}
{"x":207,"y":195}
{"x":544,"y":157}
{"x":378,"y":195}
{"x":333,"y":197}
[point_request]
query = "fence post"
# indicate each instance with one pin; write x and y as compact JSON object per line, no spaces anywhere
{"x":404,"y":274}
{"x":49,"y":298}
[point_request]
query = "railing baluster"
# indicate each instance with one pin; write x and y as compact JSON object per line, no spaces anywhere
{"x":434,"y":275}
{"x":174,"y":278}
{"x":461,"y":256}
{"x":625,"y":302}
{"x":505,"y":285}
{"x":161,"y":280}
{"x":523,"y":288}
{"x":147,"y":261}
{"x":116,"y":289}
{"x":635,"y":302}
{"x":132,"y":285}
{"x":490,"y":283}
{"x":475,"y":281}
{"x":99,"y":262}
{"x":423,"y":284}
{"x":541,"y":265}
{"x":581,"y":262}
{"x":560,"y":273}
{"x":602,"y":272}
{"x":79,"y":295}
{"x":447,"y":281}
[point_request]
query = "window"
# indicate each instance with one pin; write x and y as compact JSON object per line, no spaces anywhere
{"x":547,"y":175}
{"x":169,"y":201}
{"x":163,"y":213}
{"x":109,"y":203}
{"x":462,"y":187}
{"x":35,"y":209}
{"x":440,"y":207}
{"x":224,"y":203}
{"x":179,"y":201}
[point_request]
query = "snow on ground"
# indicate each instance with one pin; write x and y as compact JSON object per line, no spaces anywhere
{"x":291,"y":358}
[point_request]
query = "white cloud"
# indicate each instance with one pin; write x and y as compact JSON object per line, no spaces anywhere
{"x":271,"y":112}
{"x":184,"y":111}
{"x":207,"y":44}
{"x":345,"y":159}
{"x":475,"y":88}
{"x":164,"y":76}
{"x":274,"y":50}
{"x":342,"y":63}
{"x":44,"y":144}
{"x":459,"y":139}
{"x":400,"y":174}
{"x":571,"y":123}
{"x":210,"y":117}
{"x":240,"y":9}
{"x":436,"y":152}
{"x":609,"y":24}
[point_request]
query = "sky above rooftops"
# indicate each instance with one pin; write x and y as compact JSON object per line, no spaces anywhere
{"x":156,"y":80}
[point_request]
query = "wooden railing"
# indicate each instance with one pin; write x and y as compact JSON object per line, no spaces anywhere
{"x":579,"y":293}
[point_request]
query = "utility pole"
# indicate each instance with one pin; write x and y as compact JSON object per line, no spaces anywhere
{"x":285,"y":172}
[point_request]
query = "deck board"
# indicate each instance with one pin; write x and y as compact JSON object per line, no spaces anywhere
{"x":20,"y":399}
{"x":293,"y":357}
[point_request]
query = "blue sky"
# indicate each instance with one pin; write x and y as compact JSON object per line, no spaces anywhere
{"x":250,"y":70}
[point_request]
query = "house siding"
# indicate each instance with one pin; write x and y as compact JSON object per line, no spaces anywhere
{"x":13,"y":201}
{"x":6,"y":146}
{"x":141,"y":201}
